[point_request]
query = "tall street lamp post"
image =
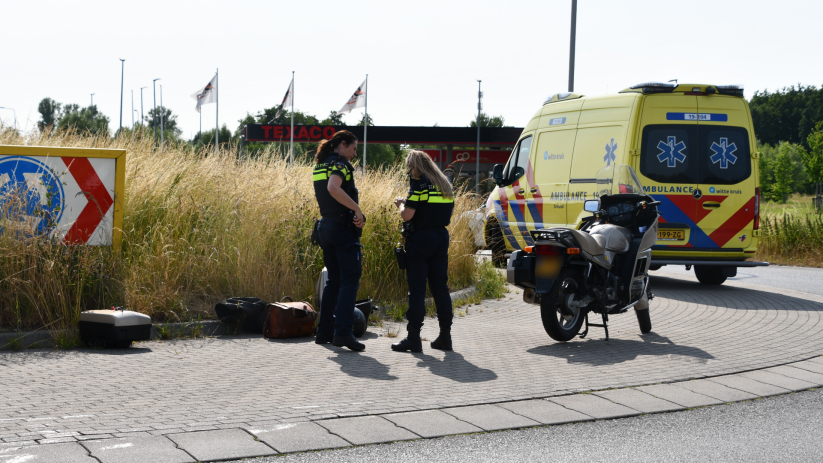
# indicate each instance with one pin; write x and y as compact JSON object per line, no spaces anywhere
{"x":122,"y":69}
{"x":571,"y":46}
{"x":142,"y":122}
{"x":162,"y":111}
{"x":477,"y":160}
{"x":91,"y":110}
{"x":154,"y":121}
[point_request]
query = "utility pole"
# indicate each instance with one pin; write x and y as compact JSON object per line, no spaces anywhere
{"x":571,"y":50}
{"x":142,"y":121}
{"x":132,"y":115}
{"x":154,"y":122}
{"x":122,"y":70}
{"x":162,"y":111}
{"x":477,"y":163}
{"x":91,"y":110}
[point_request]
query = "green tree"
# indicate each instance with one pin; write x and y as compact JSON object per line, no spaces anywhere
{"x":170,"y":129}
{"x":783,"y":167}
{"x":335,"y":118}
{"x":49,"y":110}
{"x":208,"y":137}
{"x":813,"y":158}
{"x":73,"y":117}
{"x":787,"y":115}
{"x":489,"y":121}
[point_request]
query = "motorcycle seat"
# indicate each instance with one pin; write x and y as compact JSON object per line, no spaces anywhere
{"x":594,"y":245}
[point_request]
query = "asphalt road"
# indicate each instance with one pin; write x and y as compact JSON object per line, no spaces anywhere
{"x":809,"y":280}
{"x":783,"y":428}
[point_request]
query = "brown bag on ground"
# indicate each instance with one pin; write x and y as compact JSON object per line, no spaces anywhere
{"x":289,"y":319}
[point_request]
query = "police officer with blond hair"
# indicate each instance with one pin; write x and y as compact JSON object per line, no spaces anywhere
{"x":427,"y":211}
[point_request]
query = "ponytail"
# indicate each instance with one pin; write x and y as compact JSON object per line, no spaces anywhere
{"x":327,"y":147}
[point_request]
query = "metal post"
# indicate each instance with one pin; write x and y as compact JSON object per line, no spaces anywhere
{"x":132,"y":115}
{"x":217,"y":112}
{"x":154,"y":122}
{"x":142,"y":120}
{"x":162,"y":111}
{"x":291,"y":132}
{"x":91,"y":110}
{"x":477,"y":163}
{"x":122,"y":70}
{"x":201,"y":129}
{"x":366,"y":125}
{"x":571,"y":49}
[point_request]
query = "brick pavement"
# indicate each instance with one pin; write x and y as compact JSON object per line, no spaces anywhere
{"x":502,"y":354}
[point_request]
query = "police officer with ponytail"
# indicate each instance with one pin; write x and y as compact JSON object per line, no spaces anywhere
{"x":340,"y":229}
{"x":427,"y":211}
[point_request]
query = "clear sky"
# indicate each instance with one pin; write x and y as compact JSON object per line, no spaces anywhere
{"x":423,"y":57}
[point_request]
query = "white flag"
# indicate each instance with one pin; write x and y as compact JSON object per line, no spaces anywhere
{"x":357,"y":100}
{"x":287,"y":99}
{"x":207,"y":94}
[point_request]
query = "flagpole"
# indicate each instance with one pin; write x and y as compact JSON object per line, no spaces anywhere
{"x":366,"y":125}
{"x":291,"y":132}
{"x":217,"y":112}
{"x":201,"y":128}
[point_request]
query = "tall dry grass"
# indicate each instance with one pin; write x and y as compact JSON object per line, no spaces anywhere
{"x":791,"y":234}
{"x":199,"y":227}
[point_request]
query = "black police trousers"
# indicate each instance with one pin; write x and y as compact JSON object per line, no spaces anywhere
{"x":427,"y":254}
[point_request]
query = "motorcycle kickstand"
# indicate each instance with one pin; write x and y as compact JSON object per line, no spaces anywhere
{"x":604,"y":325}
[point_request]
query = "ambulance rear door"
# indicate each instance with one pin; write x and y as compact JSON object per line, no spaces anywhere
{"x":668,"y":168}
{"x":726,"y":177}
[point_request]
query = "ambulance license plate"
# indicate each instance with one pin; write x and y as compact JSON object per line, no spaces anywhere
{"x":671,"y":235}
{"x":548,"y":267}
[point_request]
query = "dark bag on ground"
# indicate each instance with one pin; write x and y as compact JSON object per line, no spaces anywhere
{"x":289,"y":319}
{"x":247,"y":313}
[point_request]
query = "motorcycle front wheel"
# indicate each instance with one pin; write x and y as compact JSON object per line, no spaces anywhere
{"x":561,"y":322}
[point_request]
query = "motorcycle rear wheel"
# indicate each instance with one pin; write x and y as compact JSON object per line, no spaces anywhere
{"x":560,"y":322}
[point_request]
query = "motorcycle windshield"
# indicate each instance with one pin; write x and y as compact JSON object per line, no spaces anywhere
{"x":618,"y":179}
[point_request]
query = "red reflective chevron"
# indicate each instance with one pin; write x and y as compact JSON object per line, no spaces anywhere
{"x":735,"y":224}
{"x":99,"y":200}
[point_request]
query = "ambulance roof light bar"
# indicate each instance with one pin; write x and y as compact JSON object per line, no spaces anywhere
{"x":732,"y":90}
{"x":654,"y":87}
{"x":558,"y":97}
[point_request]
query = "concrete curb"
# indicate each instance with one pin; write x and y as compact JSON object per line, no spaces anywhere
{"x":159,"y":331}
{"x":346,"y":432}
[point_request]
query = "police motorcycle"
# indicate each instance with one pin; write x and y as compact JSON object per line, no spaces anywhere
{"x":601,"y":268}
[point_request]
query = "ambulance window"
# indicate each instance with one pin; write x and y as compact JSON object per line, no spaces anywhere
{"x":668,"y":154}
{"x":725,"y":158}
{"x":519,"y":158}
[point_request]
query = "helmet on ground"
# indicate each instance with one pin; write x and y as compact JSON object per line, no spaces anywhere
{"x":359,"y":323}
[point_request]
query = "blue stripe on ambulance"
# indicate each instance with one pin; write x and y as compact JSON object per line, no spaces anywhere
{"x":532,"y":205}
{"x":504,"y":224}
{"x":521,"y":224}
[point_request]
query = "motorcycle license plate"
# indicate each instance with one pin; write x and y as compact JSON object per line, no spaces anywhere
{"x":548,"y":267}
{"x":671,"y":235}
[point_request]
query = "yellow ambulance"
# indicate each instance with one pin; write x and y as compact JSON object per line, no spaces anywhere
{"x":691,"y":145}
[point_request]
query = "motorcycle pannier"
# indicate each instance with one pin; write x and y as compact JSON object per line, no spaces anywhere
{"x":290,"y":320}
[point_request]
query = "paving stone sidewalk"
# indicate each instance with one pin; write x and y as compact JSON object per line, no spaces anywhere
{"x":213,"y":399}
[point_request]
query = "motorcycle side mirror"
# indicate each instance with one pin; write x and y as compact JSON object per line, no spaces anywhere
{"x":497,"y":174}
{"x":592,"y":205}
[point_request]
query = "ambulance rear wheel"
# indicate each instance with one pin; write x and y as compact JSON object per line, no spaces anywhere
{"x":709,"y":274}
{"x":561,"y":320}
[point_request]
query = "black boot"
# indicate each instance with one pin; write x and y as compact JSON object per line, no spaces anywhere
{"x":443,"y":342}
{"x":348,"y":341}
{"x":323,"y":338}
{"x":412,"y":343}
